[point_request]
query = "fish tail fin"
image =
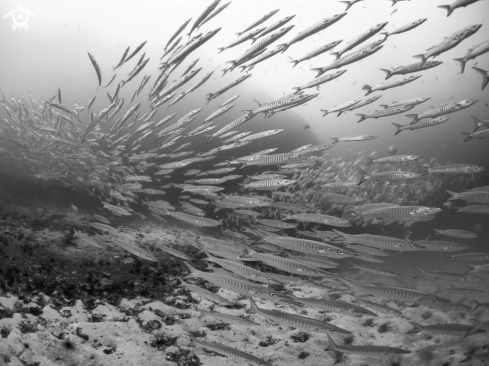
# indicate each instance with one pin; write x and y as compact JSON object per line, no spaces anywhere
{"x":398,"y":128}
{"x":477,"y":123}
{"x":193,"y":271}
{"x":193,"y":341}
{"x":295,"y":62}
{"x":467,"y":136}
{"x":368,"y":88}
{"x":385,"y":34}
{"x":362,"y":117}
{"x":319,"y":70}
{"x":421,"y":272}
{"x":253,"y":308}
{"x":220,"y":49}
{"x":331,"y":344}
{"x":239,"y":34}
{"x":284,"y":45}
{"x":336,"y":55}
{"x":485,"y":78}
{"x":416,"y":328}
{"x":462,"y":64}
{"x":414,"y":117}
{"x":422,"y":57}
{"x":364,"y":176}
{"x":243,"y":67}
{"x":453,"y":195}
{"x":339,"y":233}
{"x":297,"y":89}
{"x":325,"y":112}
{"x":448,"y":8}
{"x":477,"y":304}
{"x":335,"y":140}
{"x":370,"y":161}
{"x":201,"y":315}
{"x":388,"y":72}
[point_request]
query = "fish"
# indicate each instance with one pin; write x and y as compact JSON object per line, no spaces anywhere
{"x":423,"y":123}
{"x":455,"y":5}
{"x":207,"y":11}
{"x":228,"y":351}
{"x":450,"y":42}
{"x":347,"y":59}
{"x":473,"y":53}
{"x":370,"y":32}
{"x":446,"y":329}
{"x":405,"y":28}
{"x":212,"y":15}
{"x":316,"y":52}
{"x":369,"y":351}
{"x":97,"y":68}
{"x":484,"y":74}
{"x":261,"y":20}
{"x":206,"y":294}
{"x":177,"y":32}
{"x":449,"y":276}
{"x":227,"y":318}
{"x":461,"y":234}
{"x":416,"y":67}
{"x":390,"y":84}
{"x":296,"y":321}
{"x":313,"y":29}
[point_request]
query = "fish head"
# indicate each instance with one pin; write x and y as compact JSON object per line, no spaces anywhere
{"x":466,"y":103}
{"x":333,"y":329}
{"x":476,"y":169}
{"x":414,"y":246}
{"x":472,"y":29}
{"x":337,"y":16}
{"x":275,"y":296}
{"x":472,"y":278}
{"x":401,"y":351}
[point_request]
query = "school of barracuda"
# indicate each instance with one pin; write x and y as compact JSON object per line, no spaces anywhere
{"x":293,"y":214}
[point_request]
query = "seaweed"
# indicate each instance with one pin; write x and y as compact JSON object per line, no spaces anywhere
{"x":5,"y":331}
{"x":348,"y":340}
{"x":27,"y":327}
{"x":218,"y":326}
{"x":384,"y":328}
{"x":368,"y":323}
{"x":426,"y":354}
{"x":183,"y":358}
{"x":300,"y":337}
{"x":269,"y":341}
{"x":303,"y":355}
{"x":161,"y":341}
{"x":338,"y":357}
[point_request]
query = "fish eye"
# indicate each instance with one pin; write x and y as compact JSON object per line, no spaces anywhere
{"x":341,"y":252}
{"x":334,"y":330}
{"x":413,"y":246}
{"x":269,"y":279}
{"x":459,"y":246}
{"x":428,"y":209}
{"x":435,"y":299}
{"x":272,"y":294}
